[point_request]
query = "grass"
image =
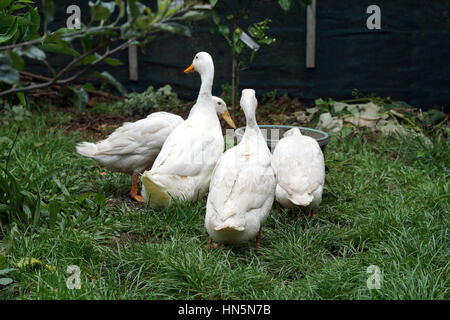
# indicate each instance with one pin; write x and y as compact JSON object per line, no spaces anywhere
{"x":386,"y":203}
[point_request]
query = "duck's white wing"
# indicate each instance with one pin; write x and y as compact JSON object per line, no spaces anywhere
{"x":184,"y":154}
{"x":140,"y":136}
{"x":299,"y":165}
{"x":241,"y":183}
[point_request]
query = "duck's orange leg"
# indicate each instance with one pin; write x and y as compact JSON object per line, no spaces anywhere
{"x":258,"y":238}
{"x":209,"y":242}
{"x":134,"y":189}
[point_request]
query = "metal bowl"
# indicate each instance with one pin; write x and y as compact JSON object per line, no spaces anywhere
{"x":273,"y":133}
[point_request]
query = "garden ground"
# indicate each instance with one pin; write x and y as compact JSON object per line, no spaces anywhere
{"x":385,"y":203}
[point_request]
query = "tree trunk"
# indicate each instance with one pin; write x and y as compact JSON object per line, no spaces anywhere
{"x":233,"y":82}
{"x":234,"y":70}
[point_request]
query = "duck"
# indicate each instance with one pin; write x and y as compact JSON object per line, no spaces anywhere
{"x":182,"y":170}
{"x":133,"y":147}
{"x":242,"y":188}
{"x":299,"y":165}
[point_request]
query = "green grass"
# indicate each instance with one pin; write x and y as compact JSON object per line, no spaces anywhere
{"x":386,"y":203}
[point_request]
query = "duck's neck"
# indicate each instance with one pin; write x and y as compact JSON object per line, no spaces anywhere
{"x":206,"y":86}
{"x":204,"y":105}
{"x":251,"y":128}
{"x":251,"y":121}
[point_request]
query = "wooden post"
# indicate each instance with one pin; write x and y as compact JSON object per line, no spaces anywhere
{"x":133,"y":61}
{"x":311,"y":35}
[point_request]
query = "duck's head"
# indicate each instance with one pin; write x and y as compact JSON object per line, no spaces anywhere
{"x":249,"y":104}
{"x":222,"y":110}
{"x":292,"y":132}
{"x":201,"y":63}
{"x":248,"y":101}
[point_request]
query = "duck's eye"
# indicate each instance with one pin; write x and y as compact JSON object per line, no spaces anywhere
{"x":220,"y":103}
{"x":196,"y":57}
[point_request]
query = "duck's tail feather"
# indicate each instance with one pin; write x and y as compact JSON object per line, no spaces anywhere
{"x":301,"y":199}
{"x":231,"y":224}
{"x":154,"y":192}
{"x":87,"y":149}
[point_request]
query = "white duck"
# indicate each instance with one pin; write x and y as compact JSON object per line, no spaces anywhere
{"x":183,"y":168}
{"x":242,"y":187}
{"x":300,"y":169}
{"x":133,"y":147}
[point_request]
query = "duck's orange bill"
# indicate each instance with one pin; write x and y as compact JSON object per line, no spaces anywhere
{"x":226,"y":116}
{"x":189,"y":69}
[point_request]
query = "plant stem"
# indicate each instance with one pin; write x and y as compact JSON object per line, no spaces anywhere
{"x":23,"y":44}
{"x":12,"y":147}
{"x":234,"y":69}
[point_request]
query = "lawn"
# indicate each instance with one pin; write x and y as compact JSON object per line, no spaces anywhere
{"x":385,"y":203}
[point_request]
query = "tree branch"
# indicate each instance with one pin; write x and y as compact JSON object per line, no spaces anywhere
{"x":93,"y":64}
{"x":55,"y":80}
{"x":23,"y":44}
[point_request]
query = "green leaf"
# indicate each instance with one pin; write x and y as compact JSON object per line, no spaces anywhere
{"x":319,"y":102}
{"x":173,"y":28}
{"x":54,"y":208}
{"x":216,"y":17}
{"x":113,"y":62}
{"x":267,"y":41}
{"x":109,"y":78}
{"x":174,"y":7}
{"x":213,"y":2}
{"x":5,"y":281}
{"x":135,"y":8}
{"x":236,"y":35}
{"x":61,"y":187}
{"x":87,"y":60}
{"x":58,"y":34}
{"x":5,"y":3}
{"x":6,"y":271}
{"x":121,"y":5}
{"x":37,"y":210}
{"x":238,"y":48}
{"x":223,"y":30}
{"x":101,"y":10}
{"x":35,"y":19}
{"x":22,"y":99}
{"x":32,"y":53}
{"x":17,"y":60}
{"x":285,"y":4}
{"x":59,"y":48}
{"x":4,"y":37}
{"x":16,"y":7}
{"x":163,"y":6}
{"x":195,"y":15}
{"x":8,"y":74}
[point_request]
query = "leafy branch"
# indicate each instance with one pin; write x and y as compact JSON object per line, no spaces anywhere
{"x":108,"y":30}
{"x":231,"y":30}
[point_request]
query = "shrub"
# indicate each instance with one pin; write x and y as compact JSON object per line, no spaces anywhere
{"x":141,"y":104}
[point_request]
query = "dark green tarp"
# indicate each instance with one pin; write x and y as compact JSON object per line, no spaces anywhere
{"x":408,"y":59}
